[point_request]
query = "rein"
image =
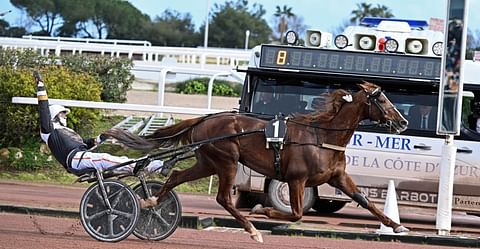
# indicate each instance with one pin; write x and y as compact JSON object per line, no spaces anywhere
{"x":319,"y":127}
{"x":206,"y":117}
{"x":194,"y":146}
{"x":372,"y":98}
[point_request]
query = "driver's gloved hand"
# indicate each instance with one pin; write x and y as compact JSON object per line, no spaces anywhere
{"x":100,"y":138}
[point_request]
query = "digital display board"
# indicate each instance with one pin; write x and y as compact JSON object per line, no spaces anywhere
{"x":350,"y":62}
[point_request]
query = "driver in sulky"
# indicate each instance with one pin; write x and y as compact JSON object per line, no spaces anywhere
{"x":68,"y":147}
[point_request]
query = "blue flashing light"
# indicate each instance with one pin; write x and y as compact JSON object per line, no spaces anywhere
{"x":375,"y":21}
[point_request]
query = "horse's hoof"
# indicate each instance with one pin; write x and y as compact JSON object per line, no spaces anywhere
{"x":148,"y":203}
{"x":256,"y":208}
{"x":401,"y":229}
{"x":257,"y":237}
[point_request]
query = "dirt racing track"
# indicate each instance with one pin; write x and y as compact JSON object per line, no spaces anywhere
{"x":52,"y":211}
{"x":47,"y":216}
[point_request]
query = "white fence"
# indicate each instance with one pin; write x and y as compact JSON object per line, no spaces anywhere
{"x":136,"y":50}
{"x":89,"y":40}
{"x":118,"y":106}
{"x":163,"y":61}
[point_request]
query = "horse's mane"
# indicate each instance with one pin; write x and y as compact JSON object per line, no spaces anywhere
{"x":333,"y":104}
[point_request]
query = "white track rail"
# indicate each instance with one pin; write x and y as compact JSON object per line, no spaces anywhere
{"x":118,"y":106}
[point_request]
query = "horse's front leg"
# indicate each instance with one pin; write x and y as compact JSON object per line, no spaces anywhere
{"x":297,"y":190}
{"x":346,"y":184}
{"x":226,"y":179}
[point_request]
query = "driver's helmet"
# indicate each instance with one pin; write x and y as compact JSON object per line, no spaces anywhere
{"x":56,"y":109}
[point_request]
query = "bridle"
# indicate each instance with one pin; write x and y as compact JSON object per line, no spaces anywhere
{"x":373,"y":97}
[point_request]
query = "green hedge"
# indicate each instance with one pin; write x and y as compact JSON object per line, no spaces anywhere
{"x":20,"y":122}
{"x":200,"y":86}
{"x":27,"y":158}
{"x":113,"y":73}
{"x":27,"y":58}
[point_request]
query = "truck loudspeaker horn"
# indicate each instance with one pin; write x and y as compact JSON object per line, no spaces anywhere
{"x":318,"y":39}
{"x":365,"y":42}
{"x":416,"y":46}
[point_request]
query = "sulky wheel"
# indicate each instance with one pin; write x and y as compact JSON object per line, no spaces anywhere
{"x":159,"y":222}
{"x":105,"y":224}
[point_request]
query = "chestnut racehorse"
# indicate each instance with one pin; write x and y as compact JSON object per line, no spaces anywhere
{"x":313,"y":151}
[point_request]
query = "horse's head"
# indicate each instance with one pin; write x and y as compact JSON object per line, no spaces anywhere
{"x":382,"y":110}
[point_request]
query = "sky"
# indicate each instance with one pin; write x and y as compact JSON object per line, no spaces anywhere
{"x":318,"y":14}
{"x":325,"y":15}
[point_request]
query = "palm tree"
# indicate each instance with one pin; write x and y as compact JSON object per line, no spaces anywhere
{"x":364,"y":10}
{"x":382,"y":11}
{"x":284,"y":14}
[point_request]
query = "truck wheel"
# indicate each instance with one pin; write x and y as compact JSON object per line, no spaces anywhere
{"x":324,"y":206}
{"x":279,"y":197}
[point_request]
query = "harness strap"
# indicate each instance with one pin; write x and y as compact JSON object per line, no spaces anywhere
{"x":323,"y":145}
{"x":327,"y":145}
{"x":277,"y":159}
{"x":332,"y":147}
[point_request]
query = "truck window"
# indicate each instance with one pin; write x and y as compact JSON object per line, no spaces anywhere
{"x":288,"y":96}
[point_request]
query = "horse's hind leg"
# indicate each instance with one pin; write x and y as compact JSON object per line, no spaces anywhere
{"x":297,"y":190}
{"x":346,"y":184}
{"x":226,"y":179}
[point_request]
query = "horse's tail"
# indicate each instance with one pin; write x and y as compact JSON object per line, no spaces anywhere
{"x":174,"y":134}
{"x":163,"y":137}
